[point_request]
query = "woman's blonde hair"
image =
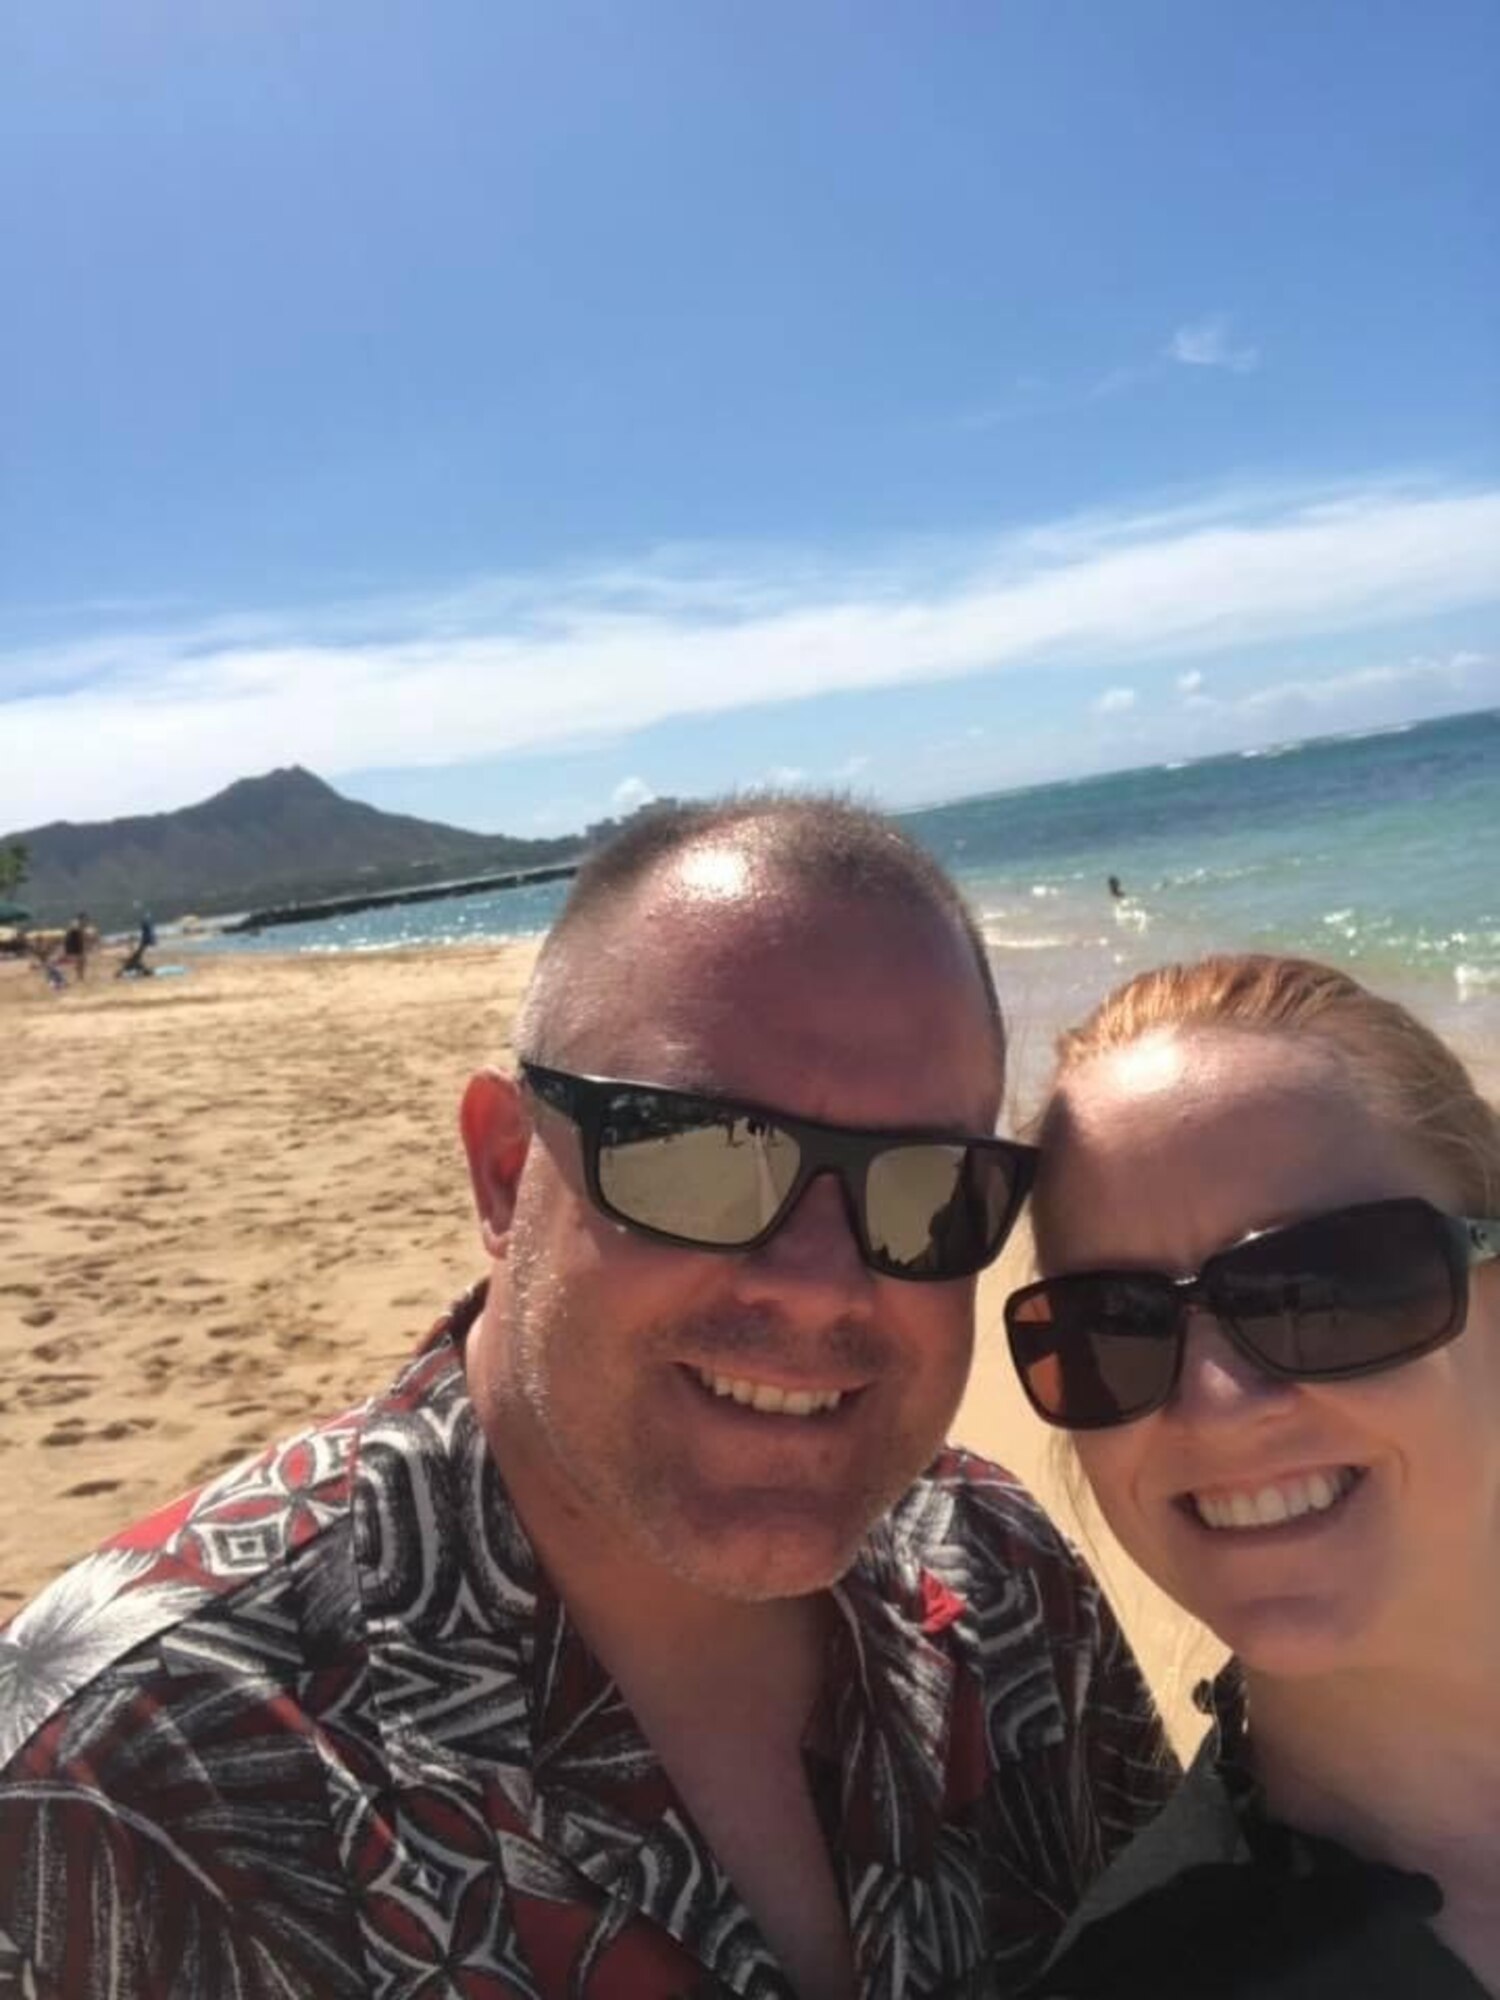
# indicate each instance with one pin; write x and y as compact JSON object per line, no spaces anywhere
{"x":1411,"y":1079}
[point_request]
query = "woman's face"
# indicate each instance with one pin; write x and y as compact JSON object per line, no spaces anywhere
{"x":1177,"y":1147}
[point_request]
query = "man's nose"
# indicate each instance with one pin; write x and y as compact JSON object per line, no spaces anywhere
{"x":1221,"y":1384}
{"x":813,"y":1247}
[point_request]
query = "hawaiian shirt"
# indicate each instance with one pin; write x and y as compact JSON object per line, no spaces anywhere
{"x":325,"y":1729}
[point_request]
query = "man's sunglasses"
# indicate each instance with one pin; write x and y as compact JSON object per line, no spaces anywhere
{"x":717,"y":1174}
{"x":1349,"y":1293}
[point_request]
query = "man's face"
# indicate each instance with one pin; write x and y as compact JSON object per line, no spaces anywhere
{"x":596,"y":1366}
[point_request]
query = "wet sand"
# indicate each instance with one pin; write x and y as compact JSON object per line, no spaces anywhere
{"x":232,"y":1201}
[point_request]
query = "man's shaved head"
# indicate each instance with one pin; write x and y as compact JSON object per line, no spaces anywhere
{"x":791,"y":851}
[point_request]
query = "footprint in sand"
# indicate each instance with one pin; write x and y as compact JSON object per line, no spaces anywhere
{"x":86,"y":1488}
{"x":73,"y":1430}
{"x":70,"y":1431}
{"x":55,"y":1389}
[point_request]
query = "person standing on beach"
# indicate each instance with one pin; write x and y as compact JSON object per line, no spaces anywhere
{"x":645,"y":1638}
{"x":75,"y":945}
{"x":135,"y":961}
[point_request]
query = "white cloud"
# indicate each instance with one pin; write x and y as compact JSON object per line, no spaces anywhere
{"x":785,"y":777}
{"x":1115,"y":701}
{"x":630,"y":794}
{"x":1436,"y":675}
{"x":512,"y":665}
{"x":1190,"y":682}
{"x":1208,"y":343}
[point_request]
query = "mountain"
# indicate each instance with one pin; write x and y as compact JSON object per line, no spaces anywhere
{"x":286,"y":837}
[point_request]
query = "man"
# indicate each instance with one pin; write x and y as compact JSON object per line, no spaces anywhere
{"x":643,"y":1640}
{"x":134,"y":962}
{"x":75,"y":945}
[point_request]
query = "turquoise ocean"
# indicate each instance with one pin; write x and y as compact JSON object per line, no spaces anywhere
{"x":1380,"y":851}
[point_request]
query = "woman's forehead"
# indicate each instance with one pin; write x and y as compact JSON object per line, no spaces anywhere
{"x":1174,"y":1149}
{"x":1191,"y":1075}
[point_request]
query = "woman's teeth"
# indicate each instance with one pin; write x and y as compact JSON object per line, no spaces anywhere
{"x":1268,"y":1506}
{"x":766,"y":1396}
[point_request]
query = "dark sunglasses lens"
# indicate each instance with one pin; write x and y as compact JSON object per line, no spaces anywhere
{"x":1362,"y":1289}
{"x":693,"y":1169}
{"x":936,"y":1211}
{"x":1095,"y":1350}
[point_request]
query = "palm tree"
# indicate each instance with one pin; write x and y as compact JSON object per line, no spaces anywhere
{"x":13,"y":864}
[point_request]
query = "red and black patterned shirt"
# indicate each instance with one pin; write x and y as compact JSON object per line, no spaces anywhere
{"x":324,"y":1729}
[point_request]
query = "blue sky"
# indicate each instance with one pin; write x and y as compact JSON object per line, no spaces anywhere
{"x":511,"y":412}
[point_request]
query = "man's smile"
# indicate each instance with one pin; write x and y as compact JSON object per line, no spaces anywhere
{"x":770,"y":1397}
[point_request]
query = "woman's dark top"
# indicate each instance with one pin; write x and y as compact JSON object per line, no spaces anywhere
{"x":1216,"y":1900}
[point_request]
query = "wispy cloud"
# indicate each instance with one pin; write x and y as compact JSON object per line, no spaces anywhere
{"x":522,"y":664}
{"x":1036,"y":396}
{"x":1200,"y":343}
{"x":1209,"y":343}
{"x":630,"y":794}
{"x":1437,"y":675}
{"x":1115,"y":701}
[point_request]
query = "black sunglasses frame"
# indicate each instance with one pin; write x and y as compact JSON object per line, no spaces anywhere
{"x":845,"y":1151}
{"x":1465,"y":1241}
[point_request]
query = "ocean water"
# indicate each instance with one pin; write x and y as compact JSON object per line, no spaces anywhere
{"x":1381,"y":852}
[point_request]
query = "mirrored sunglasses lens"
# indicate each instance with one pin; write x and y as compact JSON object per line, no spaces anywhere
{"x":1342,"y":1291}
{"x":936,"y":1210}
{"x":694,"y":1170}
{"x":1095,"y":1351}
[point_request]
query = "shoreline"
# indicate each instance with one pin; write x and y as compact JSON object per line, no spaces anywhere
{"x":232,"y":1202}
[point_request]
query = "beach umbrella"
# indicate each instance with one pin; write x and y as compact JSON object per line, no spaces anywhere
{"x":12,"y":913}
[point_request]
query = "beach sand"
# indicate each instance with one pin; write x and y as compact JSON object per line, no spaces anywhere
{"x":232,"y":1201}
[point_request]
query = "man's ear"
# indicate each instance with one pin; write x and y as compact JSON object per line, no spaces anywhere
{"x":497,"y":1134}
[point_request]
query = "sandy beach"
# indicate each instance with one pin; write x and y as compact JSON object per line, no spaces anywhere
{"x":231,"y":1201}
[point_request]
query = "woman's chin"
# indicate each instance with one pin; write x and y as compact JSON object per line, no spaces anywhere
{"x":1292,"y":1638}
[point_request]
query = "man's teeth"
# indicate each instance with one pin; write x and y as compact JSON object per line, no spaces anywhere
{"x":766,"y":1396}
{"x":1267,"y":1506}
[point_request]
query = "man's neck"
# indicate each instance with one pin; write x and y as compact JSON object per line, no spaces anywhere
{"x":722,"y":1690}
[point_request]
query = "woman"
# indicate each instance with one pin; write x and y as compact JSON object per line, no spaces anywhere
{"x":1268,"y":1223}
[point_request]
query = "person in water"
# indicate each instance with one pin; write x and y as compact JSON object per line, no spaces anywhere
{"x":1268,"y":1224}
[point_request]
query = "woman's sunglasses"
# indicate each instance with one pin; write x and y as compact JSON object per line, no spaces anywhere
{"x":720,"y":1175}
{"x":1348,"y":1293}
